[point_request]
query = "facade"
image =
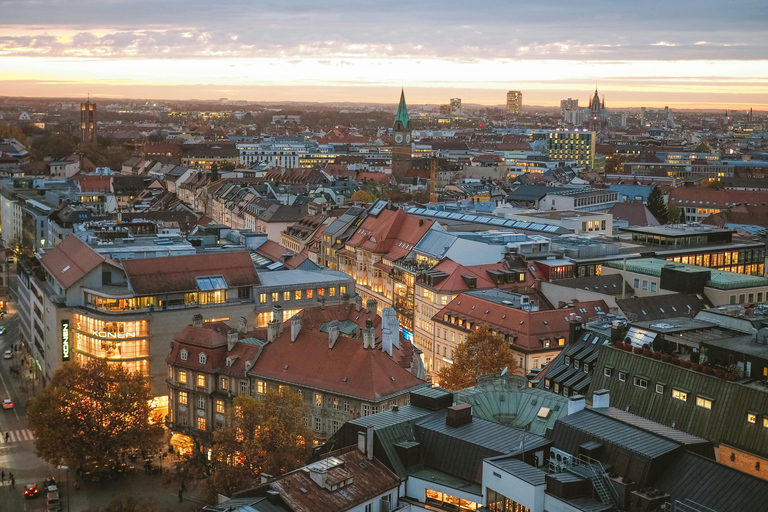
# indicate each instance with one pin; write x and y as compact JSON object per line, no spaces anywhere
{"x":401,"y":150}
{"x":515,"y":103}
{"x":572,"y":145}
{"x":536,"y":336}
{"x":88,"y":122}
{"x":345,"y":362}
{"x":569,"y":104}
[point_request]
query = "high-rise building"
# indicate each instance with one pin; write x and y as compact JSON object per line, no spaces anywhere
{"x":401,"y":150}
{"x":456,"y":108}
{"x":88,"y":121}
{"x":514,"y":102}
{"x":569,"y":104}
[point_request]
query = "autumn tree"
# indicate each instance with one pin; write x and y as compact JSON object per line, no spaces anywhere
{"x":361,"y":196}
{"x":657,"y":206}
{"x":483,"y":352}
{"x":54,"y":145}
{"x":12,"y":132}
{"x":90,"y":415}
{"x":266,"y":435}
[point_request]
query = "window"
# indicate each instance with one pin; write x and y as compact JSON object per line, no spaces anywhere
{"x":183,"y":397}
{"x":586,"y":368}
{"x":653,"y":287}
{"x":336,"y":402}
{"x":660,"y":389}
{"x":568,"y":360}
{"x":342,"y":290}
{"x":182,"y":377}
{"x":318,"y":400}
{"x":183,"y":418}
{"x":220,"y":406}
{"x":369,"y":507}
{"x":261,"y":387}
{"x":636,"y":284}
{"x":309,"y":294}
{"x":641,"y":382}
{"x":608,"y":372}
{"x":680,"y":395}
{"x":201,"y":381}
{"x":200,"y":423}
{"x":297,"y":295}
{"x":170,"y":372}
{"x":275,"y":297}
{"x":202,"y":358}
{"x":645,"y":284}
{"x":184,"y":354}
{"x":201,"y":402}
{"x":224,"y":384}
{"x":366,"y":410}
{"x":751,"y":417}
{"x":262,"y":298}
{"x":283,"y":389}
{"x":331,"y":291}
{"x":704,"y":402}
{"x":346,"y":405}
{"x":334,"y":426}
{"x":765,"y":422}
{"x":318,"y":424}
{"x":622,"y":376}
{"x":286,"y":296}
{"x":243,"y":387}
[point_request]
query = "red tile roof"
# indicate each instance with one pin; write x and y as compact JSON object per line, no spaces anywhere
{"x":711,"y":198}
{"x":391,"y":232}
{"x":70,"y":261}
{"x":211,"y":340}
{"x":173,"y":274}
{"x":530,"y":326}
{"x":347,"y":369}
{"x":455,"y":282}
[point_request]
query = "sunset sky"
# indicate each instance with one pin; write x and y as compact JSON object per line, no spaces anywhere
{"x":685,"y":54}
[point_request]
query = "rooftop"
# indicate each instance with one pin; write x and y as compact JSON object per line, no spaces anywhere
{"x":719,"y":279}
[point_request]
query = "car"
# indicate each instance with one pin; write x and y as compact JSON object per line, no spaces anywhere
{"x":7,"y":403}
{"x":8,"y":354}
{"x":31,"y":491}
{"x":2,"y":330}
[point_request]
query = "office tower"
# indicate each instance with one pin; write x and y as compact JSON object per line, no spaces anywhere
{"x":572,"y":146}
{"x":514,"y":102}
{"x":456,"y":108}
{"x":569,"y":104}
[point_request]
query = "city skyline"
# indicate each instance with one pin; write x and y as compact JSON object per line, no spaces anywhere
{"x":702,"y":55}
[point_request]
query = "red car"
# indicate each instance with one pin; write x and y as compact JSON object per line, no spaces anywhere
{"x":31,"y":491}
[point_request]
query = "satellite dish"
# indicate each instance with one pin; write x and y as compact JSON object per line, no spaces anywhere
{"x":504,"y":371}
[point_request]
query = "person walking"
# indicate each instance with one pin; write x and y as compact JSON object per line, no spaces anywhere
{"x":181,"y":492}
{"x":13,"y":480}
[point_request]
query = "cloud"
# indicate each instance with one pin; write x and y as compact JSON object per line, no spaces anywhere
{"x":561,"y":29}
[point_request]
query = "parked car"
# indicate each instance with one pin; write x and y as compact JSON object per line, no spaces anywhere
{"x":7,"y":403}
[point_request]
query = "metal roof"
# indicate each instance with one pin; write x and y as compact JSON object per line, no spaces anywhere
{"x":520,"y":469}
{"x":491,"y":221}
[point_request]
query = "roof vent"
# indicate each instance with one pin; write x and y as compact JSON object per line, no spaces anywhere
{"x":65,"y":269}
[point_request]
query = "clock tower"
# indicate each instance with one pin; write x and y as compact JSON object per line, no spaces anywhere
{"x":401,"y":150}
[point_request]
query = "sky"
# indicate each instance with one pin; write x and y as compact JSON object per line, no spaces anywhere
{"x":680,"y":53}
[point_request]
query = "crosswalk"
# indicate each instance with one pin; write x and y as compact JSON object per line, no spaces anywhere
{"x":16,"y":436}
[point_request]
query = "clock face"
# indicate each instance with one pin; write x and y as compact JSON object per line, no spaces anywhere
{"x":399,"y":138}
{"x":407,"y":138}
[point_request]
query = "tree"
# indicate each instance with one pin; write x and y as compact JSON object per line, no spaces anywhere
{"x":675,"y":215}
{"x":12,"y":132}
{"x":361,"y":196}
{"x":657,"y":206}
{"x":54,"y":145}
{"x":131,"y":504}
{"x":482,"y":353}
{"x":265,"y":435}
{"x":90,"y":415}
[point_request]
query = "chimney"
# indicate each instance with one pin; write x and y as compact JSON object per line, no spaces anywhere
{"x":277,"y":316}
{"x":574,"y":328}
{"x":321,"y":301}
{"x":333,"y":333}
{"x":371,"y":306}
{"x":390,"y":330}
{"x":295,"y":326}
{"x":601,"y":399}
{"x":242,"y":325}
{"x":459,"y":415}
{"x":361,"y":441}
{"x":264,"y":477}
{"x":576,"y":403}
{"x":358,"y":302}
{"x":273,"y":330}
{"x":197,"y":320}
{"x":232,"y":337}
{"x":369,"y":442}
{"x":369,"y":335}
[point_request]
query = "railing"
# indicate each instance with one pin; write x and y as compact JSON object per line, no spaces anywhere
{"x":688,"y":505}
{"x":600,"y":481}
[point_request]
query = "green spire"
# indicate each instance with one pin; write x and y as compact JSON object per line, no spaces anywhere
{"x":402,"y":111}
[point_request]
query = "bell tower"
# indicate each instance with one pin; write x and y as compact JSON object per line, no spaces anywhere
{"x":401,"y":150}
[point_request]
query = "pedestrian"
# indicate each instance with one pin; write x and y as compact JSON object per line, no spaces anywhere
{"x":6,"y":437}
{"x":180,"y":495}
{"x":13,"y":481}
{"x":2,"y":477}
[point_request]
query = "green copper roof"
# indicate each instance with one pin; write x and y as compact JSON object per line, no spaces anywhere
{"x":402,"y":111}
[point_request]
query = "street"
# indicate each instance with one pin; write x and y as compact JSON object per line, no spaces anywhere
{"x":18,"y":456}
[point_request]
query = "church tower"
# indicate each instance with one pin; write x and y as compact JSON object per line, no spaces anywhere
{"x":596,"y":114}
{"x":401,"y":150}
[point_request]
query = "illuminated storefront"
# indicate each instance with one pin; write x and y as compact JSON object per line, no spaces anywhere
{"x":127,"y":342}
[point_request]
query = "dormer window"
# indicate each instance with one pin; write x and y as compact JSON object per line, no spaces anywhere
{"x":184,"y":354}
{"x":202,"y":358}
{"x":229,"y":361}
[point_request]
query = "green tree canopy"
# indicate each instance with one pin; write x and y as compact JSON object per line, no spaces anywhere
{"x":657,"y":206}
{"x":362,"y":196}
{"x":12,"y":132}
{"x":54,"y":145}
{"x":675,"y":215}
{"x":482,"y":353}
{"x":266,"y":435}
{"x":90,"y":415}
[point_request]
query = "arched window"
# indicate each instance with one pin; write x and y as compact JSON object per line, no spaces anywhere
{"x":184,"y":354}
{"x":203,"y":358}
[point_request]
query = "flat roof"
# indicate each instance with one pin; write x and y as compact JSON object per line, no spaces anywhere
{"x":557,"y":214}
{"x":673,"y":230}
{"x":719,"y":279}
{"x":298,"y":277}
{"x":677,"y":324}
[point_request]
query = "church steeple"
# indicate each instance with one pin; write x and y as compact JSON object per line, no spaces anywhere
{"x":402,"y":113}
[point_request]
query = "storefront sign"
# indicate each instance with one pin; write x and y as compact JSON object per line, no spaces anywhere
{"x":121,"y":335}
{"x":65,"y":344}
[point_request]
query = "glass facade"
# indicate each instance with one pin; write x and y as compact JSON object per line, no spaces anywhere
{"x":127,"y":342}
{"x":499,"y":503}
{"x":447,"y":502}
